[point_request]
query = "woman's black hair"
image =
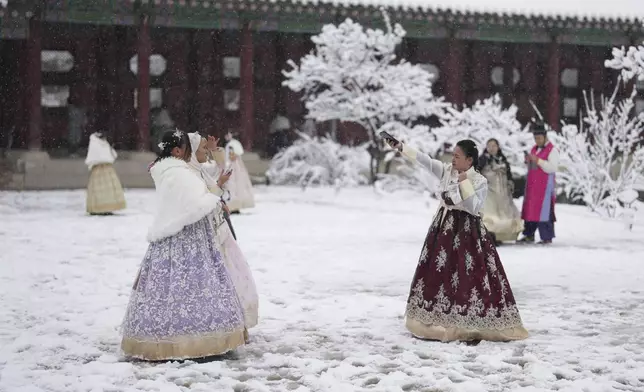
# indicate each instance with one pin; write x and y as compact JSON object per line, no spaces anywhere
{"x":485,"y":158}
{"x":170,"y":140}
{"x":471,"y":151}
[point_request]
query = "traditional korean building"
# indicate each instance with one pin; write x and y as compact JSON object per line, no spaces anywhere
{"x":122,"y":66}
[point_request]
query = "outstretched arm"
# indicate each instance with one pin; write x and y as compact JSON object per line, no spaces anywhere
{"x":434,"y":165}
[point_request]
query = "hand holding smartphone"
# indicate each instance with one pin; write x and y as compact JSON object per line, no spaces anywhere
{"x":392,"y":141}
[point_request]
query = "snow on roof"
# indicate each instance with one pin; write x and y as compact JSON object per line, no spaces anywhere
{"x":591,"y":9}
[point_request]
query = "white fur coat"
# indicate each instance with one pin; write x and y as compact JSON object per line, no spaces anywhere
{"x":182,"y":198}
{"x":235,"y":146}
{"x":99,"y":152}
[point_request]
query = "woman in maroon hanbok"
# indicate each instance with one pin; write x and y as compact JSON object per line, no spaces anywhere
{"x":460,"y":290}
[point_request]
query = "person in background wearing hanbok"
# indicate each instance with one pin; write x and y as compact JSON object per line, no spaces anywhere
{"x":239,"y":185}
{"x":501,"y":216}
{"x":460,"y":290}
{"x":183,"y":303}
{"x":539,"y":199}
{"x":104,"y":191}
{"x":233,"y":257}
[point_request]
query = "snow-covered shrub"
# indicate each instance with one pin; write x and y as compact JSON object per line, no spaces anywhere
{"x":630,"y":62}
{"x":320,"y":161}
{"x":485,"y":120}
{"x":602,"y":158}
{"x":353,"y":75}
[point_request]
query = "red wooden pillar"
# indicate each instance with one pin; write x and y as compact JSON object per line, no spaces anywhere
{"x":553,"y":98}
{"x":454,"y":71}
{"x":247,"y":110}
{"x":33,"y":79}
{"x":144,"y":50}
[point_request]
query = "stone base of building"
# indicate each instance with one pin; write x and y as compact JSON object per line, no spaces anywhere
{"x":36,"y":170}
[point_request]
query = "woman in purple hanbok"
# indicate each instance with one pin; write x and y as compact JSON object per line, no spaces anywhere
{"x":183,"y":304}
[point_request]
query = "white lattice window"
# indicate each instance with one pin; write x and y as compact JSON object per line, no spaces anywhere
{"x":58,"y":61}
{"x":54,"y":96}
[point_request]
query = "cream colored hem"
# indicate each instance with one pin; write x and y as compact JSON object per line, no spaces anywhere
{"x":105,"y":208}
{"x":505,"y":237}
{"x":437,"y":332}
{"x":182,"y":347}
{"x":251,"y":315}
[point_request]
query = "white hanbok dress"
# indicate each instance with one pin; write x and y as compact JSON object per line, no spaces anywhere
{"x":104,"y":191}
{"x":239,"y":185}
{"x":234,"y":259}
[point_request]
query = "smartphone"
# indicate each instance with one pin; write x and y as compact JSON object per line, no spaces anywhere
{"x":387,"y":136}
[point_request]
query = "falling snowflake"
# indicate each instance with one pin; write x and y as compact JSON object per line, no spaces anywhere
{"x":162,"y":145}
{"x":178,"y":134}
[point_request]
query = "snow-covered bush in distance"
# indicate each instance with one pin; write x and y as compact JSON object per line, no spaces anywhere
{"x":320,"y":161}
{"x":602,"y":157}
{"x":354,"y":75}
{"x":484,"y":120}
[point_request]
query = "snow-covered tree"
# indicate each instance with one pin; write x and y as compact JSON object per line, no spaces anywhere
{"x":630,"y":62}
{"x":486,"y":119}
{"x":320,"y":161}
{"x":603,"y":156}
{"x":353,"y":75}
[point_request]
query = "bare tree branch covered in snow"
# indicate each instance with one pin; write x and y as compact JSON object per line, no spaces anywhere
{"x":630,"y":62}
{"x":320,"y":161}
{"x":603,"y":157}
{"x":353,"y":75}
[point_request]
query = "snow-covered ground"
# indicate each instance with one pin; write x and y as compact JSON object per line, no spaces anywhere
{"x":333,"y":274}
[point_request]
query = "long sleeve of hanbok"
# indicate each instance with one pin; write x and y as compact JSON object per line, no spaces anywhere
{"x":433,"y":165}
{"x":551,"y":164}
{"x":468,"y":196}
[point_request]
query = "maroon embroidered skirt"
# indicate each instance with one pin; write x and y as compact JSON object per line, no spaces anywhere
{"x":460,"y":290}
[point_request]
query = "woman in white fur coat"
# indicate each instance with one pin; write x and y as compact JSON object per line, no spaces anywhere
{"x":104,"y":191}
{"x":183,"y":304}
{"x":233,"y":257}
{"x":240,"y":186}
